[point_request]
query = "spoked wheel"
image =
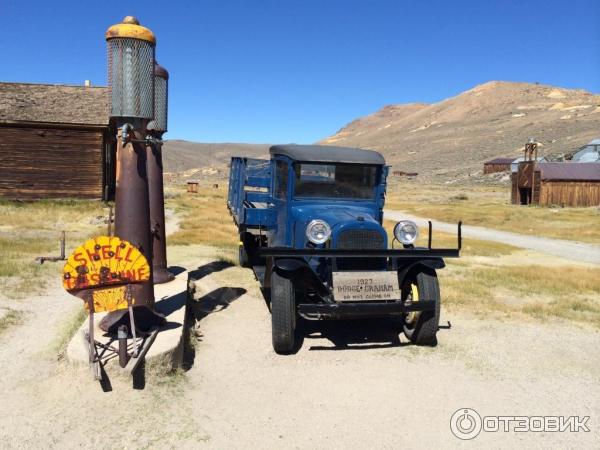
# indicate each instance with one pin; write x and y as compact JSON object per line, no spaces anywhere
{"x":421,"y":327}
{"x":283,"y":314}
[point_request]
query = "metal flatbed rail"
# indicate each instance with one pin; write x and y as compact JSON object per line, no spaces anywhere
{"x":416,"y":253}
{"x":344,"y":253}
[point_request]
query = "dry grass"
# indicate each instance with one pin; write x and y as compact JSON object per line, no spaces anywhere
{"x":565,"y":292}
{"x":31,"y":229}
{"x":10,"y":319}
{"x":204,"y":217}
{"x":57,"y":215}
{"x":540,"y":292}
{"x":490,"y":207}
{"x":67,"y":331}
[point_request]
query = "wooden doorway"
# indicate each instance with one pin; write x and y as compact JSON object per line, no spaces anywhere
{"x":525,"y":195}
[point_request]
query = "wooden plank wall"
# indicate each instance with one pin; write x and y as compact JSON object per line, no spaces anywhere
{"x":537,"y":187}
{"x":570,"y":193}
{"x":493,"y":168}
{"x":50,"y":163}
{"x":525,"y":176}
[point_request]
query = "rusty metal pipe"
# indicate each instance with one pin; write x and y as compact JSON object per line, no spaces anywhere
{"x":132,"y":211}
{"x":157,"y":209}
{"x":41,"y":259}
{"x":156,"y":128}
{"x":122,"y":337}
{"x":110,"y":220}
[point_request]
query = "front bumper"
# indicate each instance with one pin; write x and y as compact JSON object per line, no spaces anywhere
{"x":409,"y":253}
{"x":318,"y":311}
{"x":404,"y":253}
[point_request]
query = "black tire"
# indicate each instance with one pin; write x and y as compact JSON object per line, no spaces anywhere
{"x":283,"y":314}
{"x":423,"y":329}
{"x":243,"y":257}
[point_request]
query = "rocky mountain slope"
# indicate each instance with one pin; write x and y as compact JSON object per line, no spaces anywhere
{"x":452,"y":138}
{"x":445,"y":140}
{"x":181,"y":156}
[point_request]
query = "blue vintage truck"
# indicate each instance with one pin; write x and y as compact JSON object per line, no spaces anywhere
{"x":310,"y":226}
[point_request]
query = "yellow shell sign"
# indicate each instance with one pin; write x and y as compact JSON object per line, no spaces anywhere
{"x":103,"y":262}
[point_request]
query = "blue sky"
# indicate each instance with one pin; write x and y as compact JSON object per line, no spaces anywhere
{"x":296,"y":71}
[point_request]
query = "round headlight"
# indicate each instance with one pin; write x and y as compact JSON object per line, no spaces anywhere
{"x":318,"y":231}
{"x":406,"y":231}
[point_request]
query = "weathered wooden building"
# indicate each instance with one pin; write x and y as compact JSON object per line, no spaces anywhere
{"x":497,"y":165}
{"x":55,"y":142}
{"x":556,"y":183}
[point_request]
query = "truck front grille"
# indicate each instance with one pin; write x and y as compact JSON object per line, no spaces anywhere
{"x":360,"y":239}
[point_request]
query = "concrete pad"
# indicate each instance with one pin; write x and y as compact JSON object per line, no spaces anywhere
{"x":171,"y":300}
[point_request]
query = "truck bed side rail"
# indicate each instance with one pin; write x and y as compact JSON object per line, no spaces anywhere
{"x":248,"y":197}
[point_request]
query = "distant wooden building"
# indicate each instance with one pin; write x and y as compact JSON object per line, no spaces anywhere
{"x":556,"y":183}
{"x":402,"y":173}
{"x":497,"y":165}
{"x":55,"y":142}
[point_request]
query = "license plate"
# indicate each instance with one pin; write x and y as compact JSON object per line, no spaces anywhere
{"x":365,"y":286}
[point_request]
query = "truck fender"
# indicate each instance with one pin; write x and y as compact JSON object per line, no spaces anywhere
{"x":300,"y":272}
{"x":437,"y":263}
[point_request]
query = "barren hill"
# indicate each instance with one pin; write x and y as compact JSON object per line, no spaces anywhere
{"x":180,"y":156}
{"x":453,"y":137}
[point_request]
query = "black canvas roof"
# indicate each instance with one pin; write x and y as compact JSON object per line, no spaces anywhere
{"x":328,"y":153}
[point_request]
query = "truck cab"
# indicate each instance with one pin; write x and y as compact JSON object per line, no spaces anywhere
{"x":311,"y":228}
{"x":340,"y":191}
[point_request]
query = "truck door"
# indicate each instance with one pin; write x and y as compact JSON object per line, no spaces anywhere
{"x":280,"y":200}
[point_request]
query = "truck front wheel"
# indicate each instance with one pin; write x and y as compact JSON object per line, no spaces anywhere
{"x":421,"y":327}
{"x":283,"y":314}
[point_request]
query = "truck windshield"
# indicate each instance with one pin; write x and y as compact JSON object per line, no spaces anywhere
{"x":350,"y":181}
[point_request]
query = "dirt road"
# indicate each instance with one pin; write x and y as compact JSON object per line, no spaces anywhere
{"x":349,"y":386}
{"x":576,"y":251}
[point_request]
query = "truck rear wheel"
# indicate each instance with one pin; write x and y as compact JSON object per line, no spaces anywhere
{"x":283,"y":314}
{"x":421,"y":327}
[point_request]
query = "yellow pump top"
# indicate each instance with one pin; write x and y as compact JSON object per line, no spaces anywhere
{"x":130,"y":28}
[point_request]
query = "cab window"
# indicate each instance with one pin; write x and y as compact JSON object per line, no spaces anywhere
{"x":340,"y":181}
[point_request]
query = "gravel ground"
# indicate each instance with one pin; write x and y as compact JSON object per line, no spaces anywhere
{"x":351,"y":385}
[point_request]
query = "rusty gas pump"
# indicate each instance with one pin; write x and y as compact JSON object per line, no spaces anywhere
{"x":156,"y":128}
{"x":131,"y":86}
{"x":131,"y":50}
{"x":113,"y":274}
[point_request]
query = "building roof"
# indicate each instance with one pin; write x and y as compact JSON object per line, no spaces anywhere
{"x":53,"y":103}
{"x":555,"y":171}
{"x":588,"y":153}
{"x":522,"y":159}
{"x":499,"y":161}
{"x":514,"y":166}
{"x":328,"y":153}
